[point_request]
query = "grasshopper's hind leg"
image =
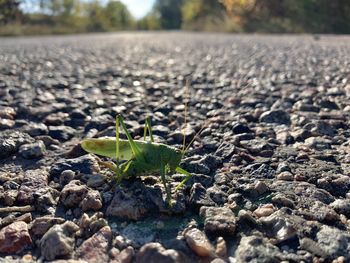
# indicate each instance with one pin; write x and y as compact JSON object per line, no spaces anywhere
{"x":167,"y":190}
{"x":188,"y":177}
{"x":135,"y":150}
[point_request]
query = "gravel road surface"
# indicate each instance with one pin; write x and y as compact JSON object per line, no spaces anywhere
{"x":271,"y":167}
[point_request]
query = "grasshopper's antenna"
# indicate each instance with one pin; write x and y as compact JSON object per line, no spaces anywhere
{"x":192,"y":141}
{"x":117,"y":139}
{"x":185,"y":123}
{"x":187,"y":97}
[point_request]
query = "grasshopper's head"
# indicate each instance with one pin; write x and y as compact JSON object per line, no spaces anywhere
{"x":172,"y":156}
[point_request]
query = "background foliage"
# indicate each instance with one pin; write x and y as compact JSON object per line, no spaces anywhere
{"x":273,"y":16}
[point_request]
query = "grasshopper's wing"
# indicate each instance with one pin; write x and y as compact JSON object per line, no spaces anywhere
{"x":107,"y":147}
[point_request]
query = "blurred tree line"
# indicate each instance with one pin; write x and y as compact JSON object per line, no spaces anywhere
{"x":295,"y":16}
{"x":64,"y":16}
{"x":71,"y":16}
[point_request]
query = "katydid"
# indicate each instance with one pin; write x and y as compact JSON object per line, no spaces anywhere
{"x":141,"y":157}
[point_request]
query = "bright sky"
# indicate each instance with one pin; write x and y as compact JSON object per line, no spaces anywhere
{"x":138,"y":8}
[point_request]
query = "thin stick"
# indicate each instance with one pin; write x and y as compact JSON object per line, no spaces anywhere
{"x":21,"y":209}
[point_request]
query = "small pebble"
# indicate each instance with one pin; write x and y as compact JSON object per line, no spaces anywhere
{"x":285,"y":176}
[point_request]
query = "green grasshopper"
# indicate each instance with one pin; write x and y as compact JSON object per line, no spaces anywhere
{"x":141,"y":157}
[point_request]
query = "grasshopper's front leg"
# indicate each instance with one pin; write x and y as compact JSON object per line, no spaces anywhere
{"x":188,"y":177}
{"x":113,"y":167}
{"x":167,"y":190}
{"x":110,"y":165}
{"x":117,"y":171}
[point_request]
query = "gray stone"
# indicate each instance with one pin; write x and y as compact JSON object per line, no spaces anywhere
{"x":246,"y":218}
{"x":46,"y":198}
{"x":312,"y":246}
{"x":282,"y":200}
{"x":334,"y":242}
{"x":85,"y":164}
{"x":239,"y":128}
{"x":253,"y":249}
{"x":160,"y":130}
{"x":90,"y":225}
{"x":282,"y":167}
{"x":342,"y":206}
{"x":318,"y":143}
{"x":217,"y":195}
{"x":324,"y":128}
{"x":306,"y":190}
{"x":156,"y":253}
{"x":10,"y":141}
{"x":300,"y":106}
{"x":92,"y":201}
{"x":199,"y":196}
{"x":96,"y":180}
{"x":126,"y":205}
{"x":48,"y":141}
{"x":257,"y":146}
{"x":33,"y":181}
{"x":335,"y":91}
{"x":256,"y":189}
{"x":56,"y":118}
{"x":340,"y":185}
{"x":322,"y":213}
{"x":278,"y":227}
{"x":9,"y":197}
{"x":218,"y":220}
{"x":197,"y":167}
{"x":66,"y":176}
{"x":58,"y":241}
{"x":328,"y":104}
{"x":61,"y":133}
{"x":33,"y":150}
{"x":39,"y":226}
{"x":225,"y":150}
{"x":259,"y":171}
{"x":100,"y":122}
{"x":179,"y":134}
{"x":275,"y":116}
{"x":36,"y":129}
{"x":137,"y":236}
{"x":211,"y":161}
{"x":73,"y":193}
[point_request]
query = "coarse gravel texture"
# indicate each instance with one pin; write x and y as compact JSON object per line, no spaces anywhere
{"x":271,"y":168}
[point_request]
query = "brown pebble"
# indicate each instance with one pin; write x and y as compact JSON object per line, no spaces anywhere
{"x":299,"y":177}
{"x":199,"y":243}
{"x":285,"y":176}
{"x":263,"y":211}
{"x":221,"y":248}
